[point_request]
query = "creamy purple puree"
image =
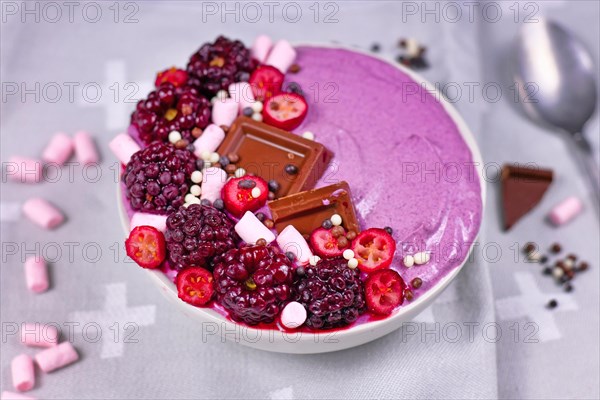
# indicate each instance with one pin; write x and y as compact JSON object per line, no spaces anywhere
{"x":402,"y":155}
{"x":404,"y":158}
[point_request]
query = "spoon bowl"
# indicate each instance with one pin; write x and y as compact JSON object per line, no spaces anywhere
{"x":557,"y":83}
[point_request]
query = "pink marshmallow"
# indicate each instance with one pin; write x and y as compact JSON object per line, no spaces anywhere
{"x":241,"y":93}
{"x":261,"y":47}
{"x":157,"y":221}
{"x":56,"y":357}
{"x":281,"y":56}
{"x":123,"y":146}
{"x":59,"y":149}
{"x":293,"y":315}
{"x":24,"y":170}
{"x":224,"y":112}
{"x":42,"y":213}
{"x":39,"y":335}
{"x":85,"y":149}
{"x":211,"y":138}
{"x":36,"y":274}
{"x":213,"y":180}
{"x":23,"y":376}
{"x":250,"y":229}
{"x":566,"y":210}
{"x":14,"y":396}
{"x":291,"y":240}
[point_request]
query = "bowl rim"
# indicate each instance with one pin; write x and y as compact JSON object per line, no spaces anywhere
{"x":214,"y":316}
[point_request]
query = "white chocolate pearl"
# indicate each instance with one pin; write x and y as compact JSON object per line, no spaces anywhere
{"x":213,"y":100}
{"x":205,"y":155}
{"x":174,"y":136}
{"x":257,"y":117}
{"x":422,"y":257}
{"x":239,"y":172}
{"x":196,"y":176}
{"x":313,"y":260}
{"x":186,"y":205}
{"x":557,"y":272}
{"x":568,"y":263}
{"x":255,"y":192}
{"x":207,"y":164}
{"x":214,"y":158}
{"x":189,"y":198}
{"x":352,"y":263}
{"x":257,"y":106}
{"x":412,"y":47}
{"x":534,"y":256}
{"x":336,"y":219}
{"x":308,"y":135}
{"x":348,"y":254}
{"x":409,"y":261}
{"x":195,"y":190}
{"x":222,"y":95}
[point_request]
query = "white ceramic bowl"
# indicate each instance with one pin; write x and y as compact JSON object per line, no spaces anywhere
{"x":213,"y":323}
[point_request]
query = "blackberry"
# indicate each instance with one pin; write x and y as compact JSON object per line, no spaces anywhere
{"x":253,"y":283}
{"x":158,"y":177}
{"x":197,"y":234}
{"x":332,"y":293}
{"x":217,"y":65}
{"x":170,"y":108}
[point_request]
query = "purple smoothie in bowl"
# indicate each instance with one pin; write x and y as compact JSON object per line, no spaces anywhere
{"x":406,"y":161}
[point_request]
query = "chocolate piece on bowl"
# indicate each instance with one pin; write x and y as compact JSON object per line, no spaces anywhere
{"x":273,"y":154}
{"x":522,"y":189}
{"x":306,"y":211}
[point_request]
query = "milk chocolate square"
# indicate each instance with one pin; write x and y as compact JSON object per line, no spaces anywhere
{"x":266,"y":151}
{"x":306,"y":211}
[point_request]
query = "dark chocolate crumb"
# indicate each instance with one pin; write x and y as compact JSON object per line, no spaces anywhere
{"x":269,"y":223}
{"x":294,"y":68}
{"x":351,"y":235}
{"x":388,"y":230}
{"x":342,"y":242}
{"x":583,"y":266}
{"x":199,"y":164}
{"x":246,"y":184}
{"x":205,"y":202}
{"x":274,"y":186}
{"x":327,"y":224}
{"x":543,"y":259}
{"x":247,"y":111}
{"x":547,"y":271}
{"x":375,"y":47}
{"x":408,"y":294}
{"x":218,"y":204}
{"x":291,"y":169}
{"x":552,"y":304}
{"x":271,"y":196}
{"x":529,"y":247}
{"x":233,"y":157}
{"x":568,"y":287}
{"x":224,"y":161}
{"x":261,"y":242}
{"x":572,"y":257}
{"x":416,"y":283}
{"x":260,"y":216}
{"x":300,"y":271}
{"x":290,"y":255}
{"x":555,"y":248}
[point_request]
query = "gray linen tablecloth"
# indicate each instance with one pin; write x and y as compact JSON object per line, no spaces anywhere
{"x":148,"y":349}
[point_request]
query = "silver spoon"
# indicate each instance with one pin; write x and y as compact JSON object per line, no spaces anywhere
{"x":555,"y":74}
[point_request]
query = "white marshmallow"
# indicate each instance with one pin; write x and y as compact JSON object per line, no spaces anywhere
{"x":241,"y":93}
{"x":261,"y":48}
{"x":157,"y":221}
{"x":224,"y":112}
{"x":291,"y":240}
{"x":213,"y":181}
{"x":123,"y":146}
{"x":209,"y":141}
{"x":281,"y":56}
{"x":293,"y":315}
{"x":250,"y":229}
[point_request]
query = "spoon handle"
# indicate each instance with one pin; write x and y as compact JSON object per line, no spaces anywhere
{"x":588,"y":164}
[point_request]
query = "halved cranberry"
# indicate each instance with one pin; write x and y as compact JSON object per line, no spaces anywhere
{"x":324,"y":244}
{"x":238,"y":198}
{"x":195,"y":286}
{"x":384,"y":291}
{"x":177,"y":77}
{"x":266,"y":81}
{"x":146,"y":246}
{"x":285,"y":111}
{"x":374,"y":249}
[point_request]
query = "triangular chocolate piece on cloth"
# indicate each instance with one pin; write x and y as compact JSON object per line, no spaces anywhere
{"x":522,"y":189}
